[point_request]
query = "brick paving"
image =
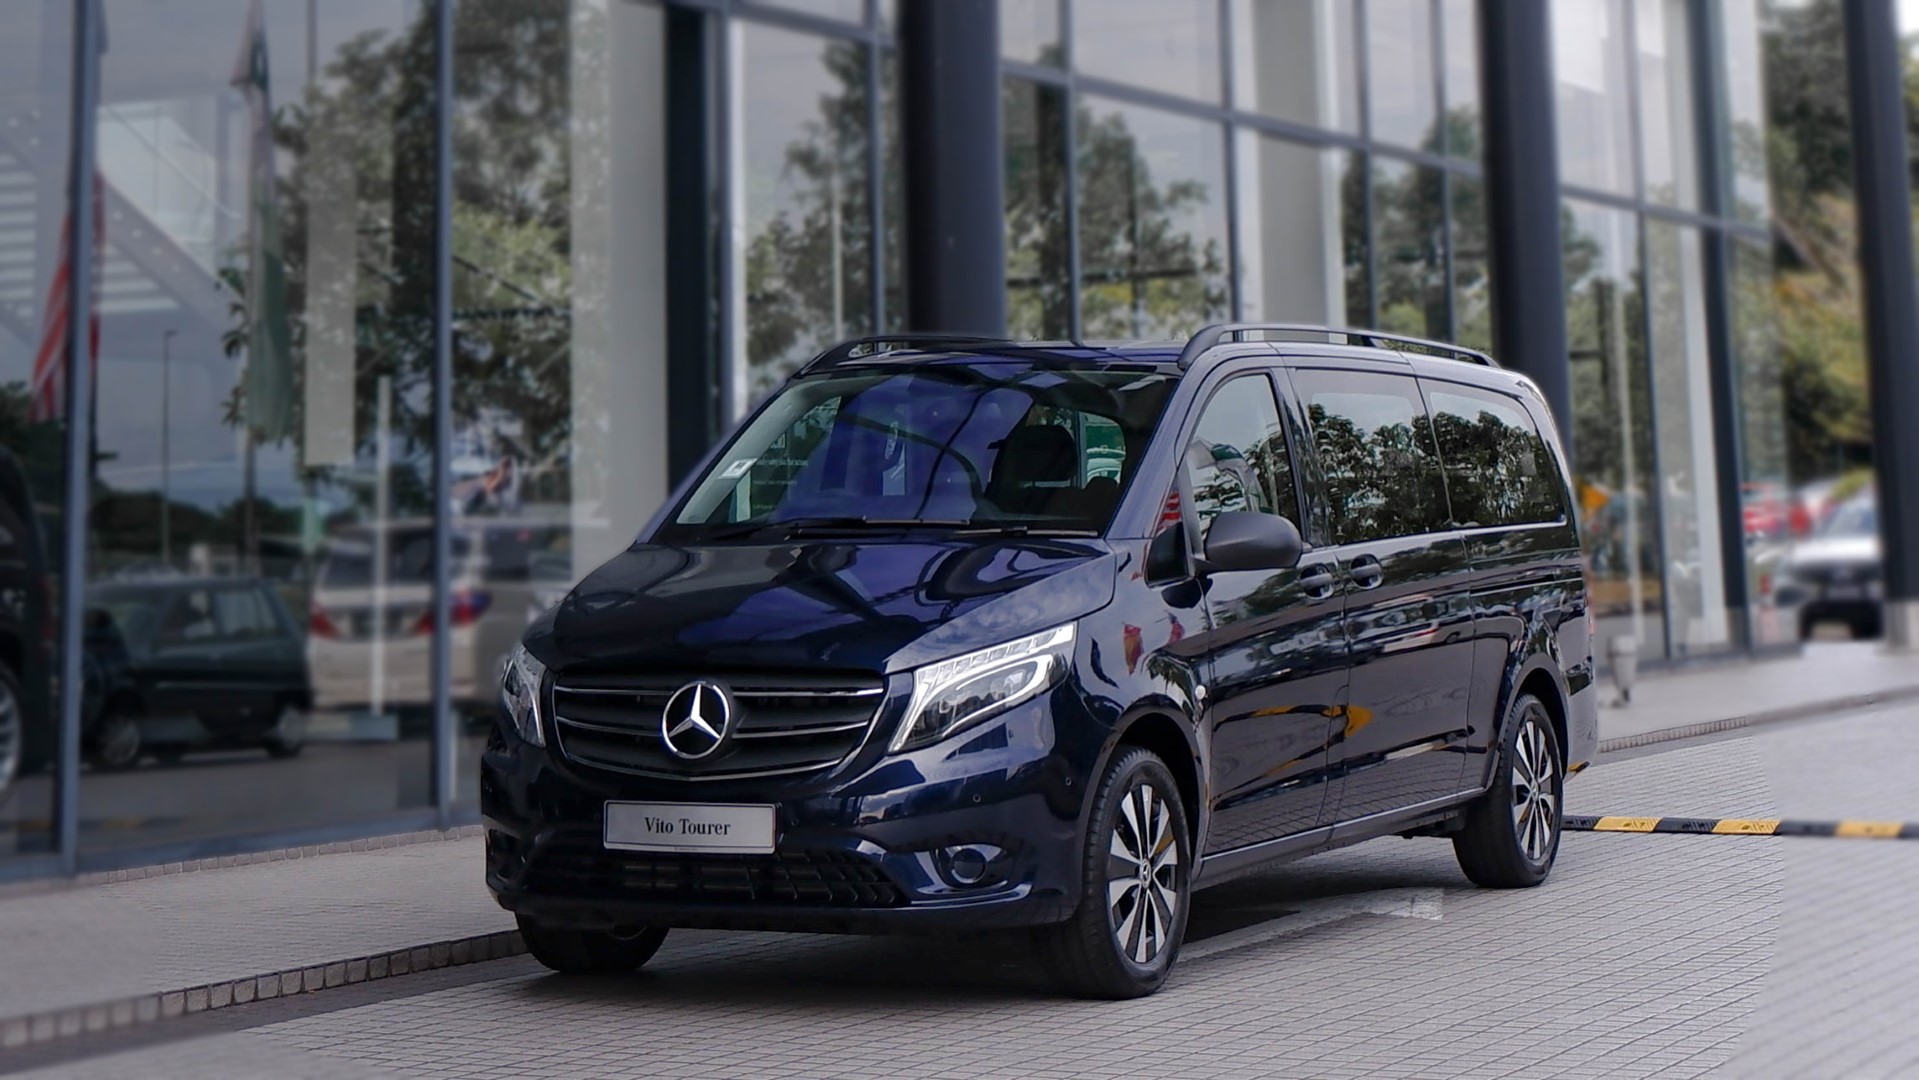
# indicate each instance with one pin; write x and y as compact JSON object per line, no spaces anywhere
{"x":1644,"y":956}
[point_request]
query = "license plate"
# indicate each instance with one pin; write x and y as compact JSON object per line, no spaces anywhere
{"x":1845,"y":592}
{"x":716,"y":828}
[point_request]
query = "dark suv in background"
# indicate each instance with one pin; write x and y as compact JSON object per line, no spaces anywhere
{"x":962,"y":634}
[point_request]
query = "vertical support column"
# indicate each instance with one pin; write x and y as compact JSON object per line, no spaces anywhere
{"x":955,"y":211}
{"x":694,"y":126}
{"x":1884,"y":193}
{"x":1522,"y":187}
{"x":79,"y":448}
{"x":1715,"y":171}
{"x":445,"y":734}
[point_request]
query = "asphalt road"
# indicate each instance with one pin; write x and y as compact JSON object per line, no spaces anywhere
{"x":1645,"y":955}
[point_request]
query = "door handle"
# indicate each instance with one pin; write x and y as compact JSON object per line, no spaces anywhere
{"x":1317,"y":581}
{"x":1366,"y":572}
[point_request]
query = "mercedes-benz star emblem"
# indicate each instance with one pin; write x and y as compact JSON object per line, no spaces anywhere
{"x":696,"y":721}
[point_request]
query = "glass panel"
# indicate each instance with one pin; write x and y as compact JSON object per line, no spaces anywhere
{"x":1166,"y":45}
{"x":1667,"y":102}
{"x":1302,"y":233}
{"x":35,"y":52}
{"x":1039,"y":299}
{"x":1498,"y":468}
{"x":1462,"y":77}
{"x":1611,"y":427}
{"x":1762,"y":437}
{"x":1594,"y":94}
{"x":1409,"y":237}
{"x":1399,"y":43}
{"x":1029,"y":31}
{"x":853,"y":11}
{"x":277,"y":307}
{"x":993,"y":443}
{"x":1472,"y":266}
{"x":1689,"y":475}
{"x":560,"y":287}
{"x":1746,"y":109}
{"x":1297,"y":60}
{"x":1376,"y":454}
{"x":1152,"y":222}
{"x":804,"y":259}
{"x":1238,"y":458}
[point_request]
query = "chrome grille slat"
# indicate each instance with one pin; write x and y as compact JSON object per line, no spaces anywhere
{"x":783,"y":727}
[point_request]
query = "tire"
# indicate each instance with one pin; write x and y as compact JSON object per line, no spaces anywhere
{"x":1123,"y":939}
{"x":589,"y":952}
{"x":288,"y":736}
{"x":115,"y":741}
{"x":13,"y":730}
{"x":1511,"y":834}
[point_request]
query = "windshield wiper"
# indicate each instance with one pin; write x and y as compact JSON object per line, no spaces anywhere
{"x":1022,"y":529}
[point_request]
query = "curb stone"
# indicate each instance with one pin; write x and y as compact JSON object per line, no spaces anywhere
{"x":1769,"y":716}
{"x":16,"y":1031}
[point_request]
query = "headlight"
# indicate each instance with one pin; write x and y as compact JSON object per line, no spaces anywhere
{"x":958,"y":693}
{"x":520,"y":687}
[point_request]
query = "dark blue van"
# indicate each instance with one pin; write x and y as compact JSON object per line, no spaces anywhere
{"x":959,"y":634}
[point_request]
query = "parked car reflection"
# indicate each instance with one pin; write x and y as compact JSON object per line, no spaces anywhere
{"x":371,"y":625}
{"x":190,"y":664}
{"x":1836,"y":575}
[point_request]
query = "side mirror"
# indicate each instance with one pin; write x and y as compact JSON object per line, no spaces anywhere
{"x":1242,"y":540}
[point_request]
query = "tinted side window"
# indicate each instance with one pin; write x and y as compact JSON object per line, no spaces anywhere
{"x":1498,"y":468}
{"x":242,"y":615}
{"x":1376,"y":451}
{"x":1237,"y":458}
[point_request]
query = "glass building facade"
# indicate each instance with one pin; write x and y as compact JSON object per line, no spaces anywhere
{"x":407,"y":314}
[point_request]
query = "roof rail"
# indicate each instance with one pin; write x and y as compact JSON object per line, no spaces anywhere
{"x":879,"y":343}
{"x":1222,"y":332}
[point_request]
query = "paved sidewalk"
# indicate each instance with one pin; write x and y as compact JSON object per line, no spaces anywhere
{"x":1829,"y":677}
{"x":94,"y":945}
{"x":91,"y":949}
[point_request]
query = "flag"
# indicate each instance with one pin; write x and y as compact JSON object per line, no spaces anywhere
{"x":268,"y":384}
{"x":49,"y":387}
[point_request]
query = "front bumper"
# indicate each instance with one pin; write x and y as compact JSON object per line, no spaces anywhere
{"x":859,"y":851}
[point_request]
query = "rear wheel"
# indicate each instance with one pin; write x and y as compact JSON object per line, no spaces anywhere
{"x":1122,"y":940}
{"x":288,"y":735}
{"x":1511,"y":836}
{"x":590,"y":952}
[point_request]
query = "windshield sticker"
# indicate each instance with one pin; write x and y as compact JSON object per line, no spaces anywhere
{"x":738,"y":468}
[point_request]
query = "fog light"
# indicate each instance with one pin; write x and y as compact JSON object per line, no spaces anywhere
{"x":971,"y":865}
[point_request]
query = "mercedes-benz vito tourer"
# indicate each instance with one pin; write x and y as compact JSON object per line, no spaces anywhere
{"x":960,"y":634}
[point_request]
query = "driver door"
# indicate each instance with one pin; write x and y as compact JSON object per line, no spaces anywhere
{"x":1275,"y":649}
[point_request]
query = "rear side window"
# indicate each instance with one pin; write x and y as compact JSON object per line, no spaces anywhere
{"x":1237,"y":458}
{"x":1376,"y":452}
{"x":1498,"y":468}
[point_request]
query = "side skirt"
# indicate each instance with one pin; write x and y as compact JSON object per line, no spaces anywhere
{"x":1424,"y":818}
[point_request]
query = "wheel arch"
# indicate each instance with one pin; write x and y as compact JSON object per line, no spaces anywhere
{"x":1158,"y":729}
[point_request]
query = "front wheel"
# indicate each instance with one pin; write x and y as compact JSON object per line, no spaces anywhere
{"x":1123,"y":938}
{"x":590,"y":952}
{"x":116,"y":741}
{"x":1511,"y":836}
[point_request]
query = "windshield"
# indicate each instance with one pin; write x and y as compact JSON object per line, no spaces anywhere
{"x":1853,"y":519}
{"x":986,"y":445}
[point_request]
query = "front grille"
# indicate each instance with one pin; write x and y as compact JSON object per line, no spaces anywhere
{"x":786,"y":726}
{"x":820,"y":878}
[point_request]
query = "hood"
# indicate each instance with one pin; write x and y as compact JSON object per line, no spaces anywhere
{"x":866,"y":605}
{"x":1829,"y":550}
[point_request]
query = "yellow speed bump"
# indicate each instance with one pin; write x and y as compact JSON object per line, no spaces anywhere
{"x":1624,"y":824}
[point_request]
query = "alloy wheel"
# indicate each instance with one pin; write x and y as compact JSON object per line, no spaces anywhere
{"x":1142,"y":870}
{"x":1535,"y":790}
{"x":117,"y":743}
